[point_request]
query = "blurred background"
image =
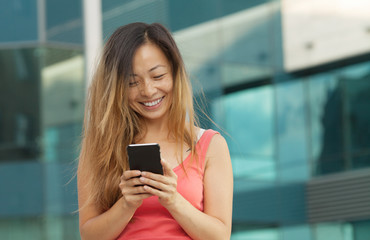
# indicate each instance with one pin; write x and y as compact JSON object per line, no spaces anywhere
{"x":287,"y":80}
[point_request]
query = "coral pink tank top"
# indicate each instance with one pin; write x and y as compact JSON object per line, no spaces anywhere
{"x":151,"y":220}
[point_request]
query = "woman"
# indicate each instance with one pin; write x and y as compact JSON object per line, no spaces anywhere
{"x":141,"y":94}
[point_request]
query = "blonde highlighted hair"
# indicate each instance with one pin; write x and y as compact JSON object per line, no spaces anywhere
{"x":110,"y":124}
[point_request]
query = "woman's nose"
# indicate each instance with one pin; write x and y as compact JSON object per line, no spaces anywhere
{"x":148,"y":89}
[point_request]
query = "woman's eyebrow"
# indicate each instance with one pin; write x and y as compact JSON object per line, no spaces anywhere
{"x":155,"y":67}
{"x":150,"y":70}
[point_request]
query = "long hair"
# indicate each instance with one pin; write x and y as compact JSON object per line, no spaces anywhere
{"x":110,"y":124}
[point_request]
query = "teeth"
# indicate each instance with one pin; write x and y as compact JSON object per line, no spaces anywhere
{"x":150,"y":104}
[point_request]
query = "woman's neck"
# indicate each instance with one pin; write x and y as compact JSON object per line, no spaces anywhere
{"x":156,"y":131}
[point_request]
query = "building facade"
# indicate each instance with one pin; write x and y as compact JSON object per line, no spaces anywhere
{"x":286,"y":82}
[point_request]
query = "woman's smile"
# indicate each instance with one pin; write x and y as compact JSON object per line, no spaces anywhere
{"x":153,"y":104}
{"x":151,"y":83}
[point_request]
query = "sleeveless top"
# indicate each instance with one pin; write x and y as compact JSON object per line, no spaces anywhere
{"x":151,"y":220}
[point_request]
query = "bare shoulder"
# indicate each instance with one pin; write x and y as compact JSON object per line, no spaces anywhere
{"x":218,"y":142}
{"x":218,"y":150}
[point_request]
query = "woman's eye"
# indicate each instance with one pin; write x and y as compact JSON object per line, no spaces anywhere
{"x":159,"y":76}
{"x":133,"y":83}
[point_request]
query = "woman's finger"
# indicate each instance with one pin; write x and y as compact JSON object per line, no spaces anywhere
{"x":167,"y":170}
{"x":131,"y":174}
{"x":154,"y":191}
{"x":153,"y":183}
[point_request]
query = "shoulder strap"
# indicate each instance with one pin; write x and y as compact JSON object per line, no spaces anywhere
{"x":203,"y":144}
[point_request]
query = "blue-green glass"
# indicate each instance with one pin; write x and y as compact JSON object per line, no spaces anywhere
{"x":294,"y":232}
{"x":64,"y":21}
{"x":339,"y":119}
{"x":62,"y":89}
{"x":292,"y":131}
{"x":337,"y":231}
{"x":20,"y":81}
{"x":260,"y":234}
{"x":39,"y":142}
{"x":18,"y":21}
{"x":326,"y":124}
{"x":361,"y":230}
{"x":356,"y":91}
{"x":117,"y":13}
{"x":249,"y":122}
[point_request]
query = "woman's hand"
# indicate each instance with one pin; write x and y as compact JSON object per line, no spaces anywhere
{"x":164,"y":186}
{"x":132,"y":189}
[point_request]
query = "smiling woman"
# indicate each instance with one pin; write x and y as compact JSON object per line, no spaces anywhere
{"x":141,"y":94}
{"x":150,"y":92}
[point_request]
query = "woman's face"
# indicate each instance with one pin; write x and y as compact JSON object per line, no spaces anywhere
{"x":151,"y":83}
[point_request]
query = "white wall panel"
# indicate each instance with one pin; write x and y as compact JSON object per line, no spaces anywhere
{"x":321,"y":31}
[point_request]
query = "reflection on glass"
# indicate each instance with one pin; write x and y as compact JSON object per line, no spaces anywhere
{"x":260,"y":234}
{"x":337,"y":231}
{"x":292,"y":131}
{"x":326,"y":124}
{"x":361,"y":230}
{"x":64,"y":21}
{"x":340,"y":120}
{"x":249,"y":122}
{"x":62,"y":103}
{"x":356,"y":86}
{"x":19,"y":104}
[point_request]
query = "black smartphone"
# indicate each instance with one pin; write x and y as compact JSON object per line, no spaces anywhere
{"x":145,"y":157}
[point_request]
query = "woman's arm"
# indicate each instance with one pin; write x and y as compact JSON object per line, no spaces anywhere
{"x":108,"y":225}
{"x":215,"y":221}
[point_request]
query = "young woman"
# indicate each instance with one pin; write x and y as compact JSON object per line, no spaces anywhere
{"x":141,"y":94}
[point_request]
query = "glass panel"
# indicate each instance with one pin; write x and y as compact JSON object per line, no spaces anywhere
{"x":251,"y":141}
{"x":63,"y":103}
{"x":337,"y":231}
{"x":23,"y":228}
{"x":37,"y":228}
{"x":340,"y":121}
{"x":20,"y":129}
{"x":295,"y":232}
{"x":361,"y":230}
{"x":292,"y":131}
{"x":117,"y":13}
{"x":259,"y":234}
{"x":356,"y":89}
{"x":203,"y":11}
{"x":18,"y":21}
{"x":42,"y":106}
{"x":64,"y":21}
{"x":326,"y":124}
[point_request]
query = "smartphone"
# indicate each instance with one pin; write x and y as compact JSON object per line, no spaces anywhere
{"x":145,"y":157}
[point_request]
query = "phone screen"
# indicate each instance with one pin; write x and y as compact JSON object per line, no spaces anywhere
{"x":145,"y":157}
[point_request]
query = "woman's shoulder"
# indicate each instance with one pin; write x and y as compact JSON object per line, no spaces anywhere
{"x":201,"y":132}
{"x":211,"y":138}
{"x":218,"y":152}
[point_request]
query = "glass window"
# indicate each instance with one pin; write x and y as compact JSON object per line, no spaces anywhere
{"x":339,"y":119}
{"x":291,"y":110}
{"x":117,"y":13}
{"x":337,"y":231}
{"x":19,"y":102}
{"x":361,"y":230}
{"x":18,"y":21}
{"x":326,"y":124}
{"x":356,"y":90}
{"x":248,"y":120}
{"x":295,"y":232}
{"x":64,"y":21}
{"x":258,"y":234}
{"x":62,"y":103}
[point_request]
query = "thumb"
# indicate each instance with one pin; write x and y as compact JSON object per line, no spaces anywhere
{"x":167,"y":170}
